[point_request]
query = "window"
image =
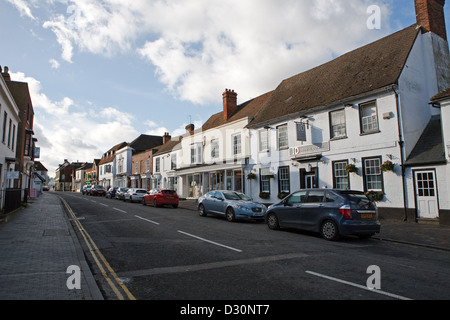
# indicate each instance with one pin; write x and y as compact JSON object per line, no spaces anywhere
{"x":13,"y":137}
{"x":315,"y":196}
{"x":196,"y":153}
{"x":214,"y":149}
{"x":337,"y":124}
{"x":298,"y":197}
{"x":263,"y":140}
{"x":9,"y":133}
{"x":301,"y":131}
{"x":283,"y":180}
{"x":5,"y":120}
{"x":340,"y":176}
{"x":157,"y":164}
{"x":147,"y":165}
{"x":369,"y":117}
{"x":173,"y":161}
{"x":136,"y":167}
{"x":264,"y":183}
{"x":236,"y":143}
{"x":283,"y":142}
{"x":373,"y":178}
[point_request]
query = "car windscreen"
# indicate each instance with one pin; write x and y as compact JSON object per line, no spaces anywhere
{"x":141,"y":191}
{"x":168,"y":191}
{"x":236,"y":196}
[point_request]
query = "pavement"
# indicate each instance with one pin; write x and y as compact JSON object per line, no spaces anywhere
{"x":38,"y":246}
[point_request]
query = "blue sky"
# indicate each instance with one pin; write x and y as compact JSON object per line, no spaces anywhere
{"x":103,"y":72}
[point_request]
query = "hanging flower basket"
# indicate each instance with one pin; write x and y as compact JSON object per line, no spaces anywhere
{"x":251,"y":176}
{"x":282,"y":195}
{"x":264,"y":195}
{"x":375,"y":196}
{"x":387,"y":166}
{"x":351,"y":168}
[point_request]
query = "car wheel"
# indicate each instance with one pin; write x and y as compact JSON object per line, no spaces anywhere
{"x":143,"y":201}
{"x":201,"y":210}
{"x":175,"y":206}
{"x":272,"y":222}
{"x":329,"y":230}
{"x":155,"y":203}
{"x":230,"y":214}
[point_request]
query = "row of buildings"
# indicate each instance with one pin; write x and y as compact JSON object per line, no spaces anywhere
{"x":21,"y":176}
{"x":376,"y":119}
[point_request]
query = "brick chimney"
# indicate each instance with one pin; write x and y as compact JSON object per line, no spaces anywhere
{"x":5,"y":73}
{"x":166,"y":137}
{"x":430,"y":15}
{"x":229,"y":103}
{"x":190,"y":129}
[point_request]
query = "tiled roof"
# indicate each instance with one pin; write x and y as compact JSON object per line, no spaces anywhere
{"x":371,"y":67}
{"x":246,"y":109}
{"x":444,"y":94}
{"x":146,"y":142}
{"x":173,"y":144}
{"x":111,"y":153}
{"x":430,"y":147}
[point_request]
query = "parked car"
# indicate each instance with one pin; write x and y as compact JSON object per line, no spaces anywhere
{"x":86,"y":189}
{"x":111,"y":193}
{"x":97,"y":190}
{"x":330,"y":212}
{"x":120,"y":193}
{"x":231,"y":204}
{"x":161,"y":197}
{"x":45,"y":188}
{"x":134,"y":194}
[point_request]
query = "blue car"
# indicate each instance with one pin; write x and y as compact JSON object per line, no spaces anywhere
{"x":330,"y":212}
{"x":231,"y":204}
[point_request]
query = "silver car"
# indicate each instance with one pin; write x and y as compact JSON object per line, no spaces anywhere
{"x":231,"y":204}
{"x":134,"y":194}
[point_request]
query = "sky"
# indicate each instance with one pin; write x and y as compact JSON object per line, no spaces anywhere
{"x":104,"y":72}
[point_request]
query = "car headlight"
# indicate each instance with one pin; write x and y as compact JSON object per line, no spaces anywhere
{"x":240,"y":207}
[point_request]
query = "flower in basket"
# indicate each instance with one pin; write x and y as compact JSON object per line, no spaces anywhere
{"x":264,"y":195}
{"x":375,"y":196}
{"x":351,"y":168}
{"x":387,"y":166}
{"x":251,"y":176}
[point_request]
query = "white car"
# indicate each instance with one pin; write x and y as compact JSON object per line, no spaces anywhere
{"x":134,"y":194}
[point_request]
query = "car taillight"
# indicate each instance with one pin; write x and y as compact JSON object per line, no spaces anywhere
{"x":346,"y":211}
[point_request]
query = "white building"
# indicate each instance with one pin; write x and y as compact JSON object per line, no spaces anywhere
{"x":107,"y":166}
{"x":217,"y":155}
{"x":166,"y":161}
{"x":9,"y":124}
{"x":364,"y":109}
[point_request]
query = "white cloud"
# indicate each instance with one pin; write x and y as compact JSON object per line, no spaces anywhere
{"x":54,"y":64}
{"x":23,"y":8}
{"x":201,"y":47}
{"x":67,"y":131}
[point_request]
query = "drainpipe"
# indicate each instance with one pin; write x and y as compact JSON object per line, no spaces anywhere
{"x":401,"y":144}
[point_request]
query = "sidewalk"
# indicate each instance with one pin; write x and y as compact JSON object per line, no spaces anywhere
{"x":38,"y":245}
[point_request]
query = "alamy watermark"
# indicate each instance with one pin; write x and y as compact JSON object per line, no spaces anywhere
{"x":374,"y":20}
{"x":74,"y":280}
{"x":374,"y":281}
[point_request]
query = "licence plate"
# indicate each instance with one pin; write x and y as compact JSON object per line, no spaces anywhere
{"x":366,"y":216}
{"x":169,"y":197}
{"x":258,"y":214}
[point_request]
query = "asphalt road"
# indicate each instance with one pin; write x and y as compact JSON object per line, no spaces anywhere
{"x":174,"y":254}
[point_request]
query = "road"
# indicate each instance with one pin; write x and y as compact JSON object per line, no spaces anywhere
{"x":148,"y":253}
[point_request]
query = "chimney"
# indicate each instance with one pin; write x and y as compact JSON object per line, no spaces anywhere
{"x":190,"y":129}
{"x":5,"y":74}
{"x":166,"y":137}
{"x":229,"y":103}
{"x":430,"y":15}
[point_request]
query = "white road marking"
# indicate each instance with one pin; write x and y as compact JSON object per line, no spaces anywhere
{"x":119,"y":210}
{"x":209,"y":241}
{"x":148,"y":220}
{"x":358,"y":286}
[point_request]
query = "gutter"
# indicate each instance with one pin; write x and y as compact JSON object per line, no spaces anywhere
{"x":401,"y":144}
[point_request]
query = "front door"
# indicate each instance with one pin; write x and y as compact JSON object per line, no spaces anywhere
{"x":426,"y":194}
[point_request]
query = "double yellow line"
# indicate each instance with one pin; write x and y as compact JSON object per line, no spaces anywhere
{"x":108,"y":273}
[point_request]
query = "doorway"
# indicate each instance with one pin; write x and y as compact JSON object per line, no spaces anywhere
{"x":309,"y":180}
{"x":426,"y":194}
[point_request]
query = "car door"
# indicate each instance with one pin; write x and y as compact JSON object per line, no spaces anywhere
{"x":208,"y":201}
{"x":219,"y":203}
{"x":312,"y":208}
{"x":289,"y":214}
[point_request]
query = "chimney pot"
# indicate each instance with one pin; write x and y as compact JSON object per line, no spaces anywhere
{"x":166,"y":137}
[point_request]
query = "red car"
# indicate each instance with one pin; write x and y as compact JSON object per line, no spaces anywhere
{"x":97,"y":191}
{"x":160,"y":197}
